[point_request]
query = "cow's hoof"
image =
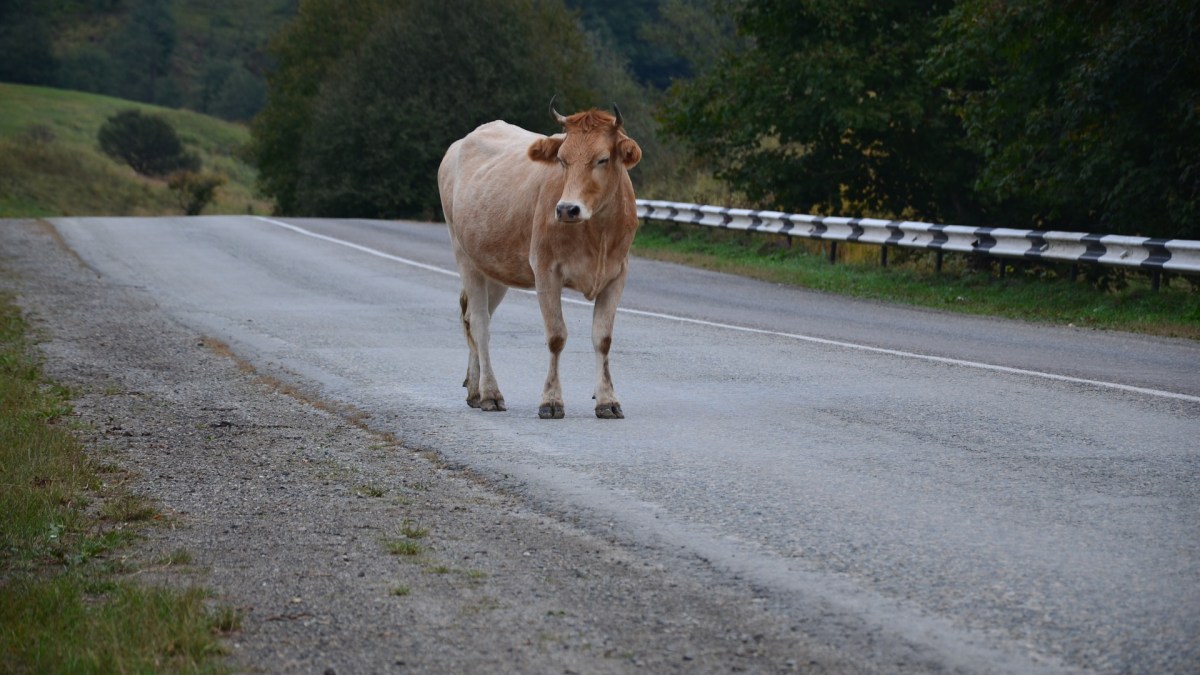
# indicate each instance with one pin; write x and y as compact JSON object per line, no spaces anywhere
{"x":473,"y":401}
{"x":552,"y":411}
{"x":492,"y":405}
{"x":610,"y":411}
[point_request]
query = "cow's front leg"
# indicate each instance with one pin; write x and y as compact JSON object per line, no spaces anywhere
{"x":604,"y":314}
{"x":549,"y":291}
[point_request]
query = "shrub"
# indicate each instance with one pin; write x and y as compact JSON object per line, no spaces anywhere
{"x":147,"y":143}
{"x":194,"y":189}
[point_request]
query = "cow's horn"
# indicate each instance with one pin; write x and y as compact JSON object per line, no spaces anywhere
{"x":554,"y":113}
{"x":620,"y":120}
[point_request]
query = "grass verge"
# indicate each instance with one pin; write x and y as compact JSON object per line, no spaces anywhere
{"x":1033,"y":293}
{"x":66,"y":602}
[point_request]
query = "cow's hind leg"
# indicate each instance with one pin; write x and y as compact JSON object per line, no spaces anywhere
{"x":477,"y":303}
{"x":471,"y":381}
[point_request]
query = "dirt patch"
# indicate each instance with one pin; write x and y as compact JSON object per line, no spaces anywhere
{"x":343,"y":550}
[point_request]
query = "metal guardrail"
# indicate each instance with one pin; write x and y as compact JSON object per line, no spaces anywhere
{"x":1154,"y":255}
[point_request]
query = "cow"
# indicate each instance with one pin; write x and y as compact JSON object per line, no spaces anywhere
{"x":544,"y":212}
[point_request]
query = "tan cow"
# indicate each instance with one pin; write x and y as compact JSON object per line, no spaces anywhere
{"x":542,"y":212}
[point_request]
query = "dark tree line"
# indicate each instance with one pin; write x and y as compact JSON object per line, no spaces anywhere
{"x":139,"y":59}
{"x":1077,"y":114}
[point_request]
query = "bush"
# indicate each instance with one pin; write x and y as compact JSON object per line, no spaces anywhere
{"x":194,"y":189}
{"x":147,"y":143}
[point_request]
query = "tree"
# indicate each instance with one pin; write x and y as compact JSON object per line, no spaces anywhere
{"x":1086,"y":113}
{"x":240,"y":96}
{"x":321,"y":34}
{"x":88,"y":68}
{"x":142,"y":51}
{"x":25,"y":45}
{"x":694,"y":31}
{"x":826,"y":111}
{"x":621,"y":25}
{"x":148,"y":143}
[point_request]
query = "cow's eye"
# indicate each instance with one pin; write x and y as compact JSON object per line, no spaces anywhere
{"x":602,"y":161}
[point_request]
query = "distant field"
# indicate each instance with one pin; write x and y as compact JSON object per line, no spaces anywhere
{"x":51,"y":164}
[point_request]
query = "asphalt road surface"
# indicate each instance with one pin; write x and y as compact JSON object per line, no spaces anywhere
{"x":988,"y":495}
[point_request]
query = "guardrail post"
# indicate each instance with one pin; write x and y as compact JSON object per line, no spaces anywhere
{"x":883,"y":256}
{"x":1155,"y":280}
{"x":832,"y":252}
{"x":937,"y":265}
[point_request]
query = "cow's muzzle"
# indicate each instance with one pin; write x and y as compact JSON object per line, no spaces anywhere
{"x":570,"y":212}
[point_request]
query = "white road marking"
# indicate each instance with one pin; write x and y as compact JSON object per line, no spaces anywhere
{"x":762,"y":331}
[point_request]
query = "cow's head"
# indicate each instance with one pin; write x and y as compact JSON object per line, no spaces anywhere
{"x":594,"y":154}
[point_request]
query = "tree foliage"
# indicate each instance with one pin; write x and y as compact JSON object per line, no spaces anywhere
{"x":26,"y":52}
{"x":1086,"y":113}
{"x":321,"y":34}
{"x":207,"y":56}
{"x":148,"y":143}
{"x":143,"y":50}
{"x":623,"y":25}
{"x":358,"y":118}
{"x":823,"y":111}
{"x":1078,"y":114}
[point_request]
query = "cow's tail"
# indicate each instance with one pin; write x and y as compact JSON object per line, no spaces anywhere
{"x":466,"y":323}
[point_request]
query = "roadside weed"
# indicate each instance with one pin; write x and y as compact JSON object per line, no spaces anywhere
{"x":402,"y":546}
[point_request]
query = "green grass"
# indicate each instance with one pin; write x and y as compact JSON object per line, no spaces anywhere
{"x":399,"y":546}
{"x":66,"y":604}
{"x":1041,"y":294}
{"x":51,"y":164}
{"x":413,"y":530}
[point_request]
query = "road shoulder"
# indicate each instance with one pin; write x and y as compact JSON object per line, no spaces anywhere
{"x":287,"y":508}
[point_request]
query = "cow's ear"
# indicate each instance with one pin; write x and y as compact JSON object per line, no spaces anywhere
{"x":545,"y":149}
{"x":629,"y":152}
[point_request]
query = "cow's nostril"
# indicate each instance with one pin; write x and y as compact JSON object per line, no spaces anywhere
{"x":568,"y":211}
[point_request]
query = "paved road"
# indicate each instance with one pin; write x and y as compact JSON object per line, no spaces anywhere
{"x":978,"y":495}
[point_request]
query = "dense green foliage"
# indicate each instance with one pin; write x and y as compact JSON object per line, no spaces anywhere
{"x":1071,"y":115}
{"x":148,"y":143}
{"x":369,"y":94}
{"x":1086,"y":113}
{"x":25,"y":43}
{"x":207,"y":55}
{"x":622,"y":25}
{"x":825,"y":112}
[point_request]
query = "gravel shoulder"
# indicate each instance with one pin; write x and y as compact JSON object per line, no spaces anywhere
{"x":285,"y":504}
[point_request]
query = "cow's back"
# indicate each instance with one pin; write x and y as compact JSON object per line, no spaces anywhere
{"x":490,"y":190}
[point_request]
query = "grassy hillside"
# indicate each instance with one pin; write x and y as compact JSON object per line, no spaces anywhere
{"x":51,"y":164}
